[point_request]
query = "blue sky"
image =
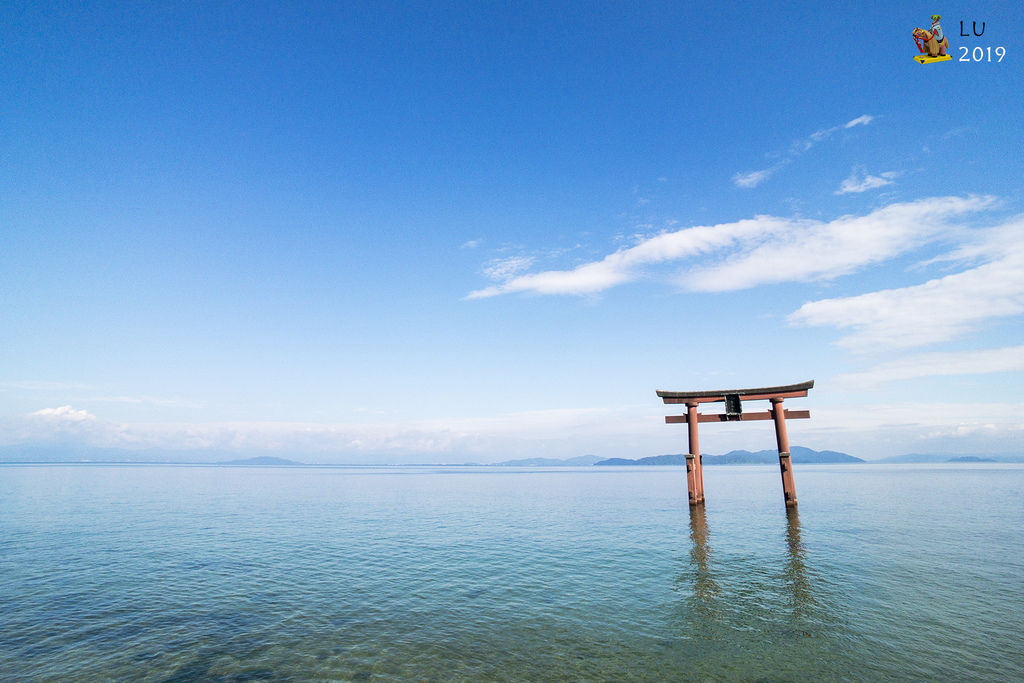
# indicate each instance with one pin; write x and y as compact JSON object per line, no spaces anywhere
{"x":475,"y":231}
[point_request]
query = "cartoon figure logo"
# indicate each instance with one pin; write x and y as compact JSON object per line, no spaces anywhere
{"x":931,"y":43}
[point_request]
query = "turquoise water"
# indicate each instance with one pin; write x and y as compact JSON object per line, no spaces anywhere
{"x":230,"y":573}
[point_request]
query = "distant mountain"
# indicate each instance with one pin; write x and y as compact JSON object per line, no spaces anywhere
{"x":799,"y":454}
{"x":579,"y":461}
{"x":911,"y":458}
{"x":263,"y":461}
{"x":673,"y":459}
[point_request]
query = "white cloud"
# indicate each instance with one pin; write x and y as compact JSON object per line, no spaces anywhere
{"x":561,"y":431}
{"x":807,"y":250}
{"x":925,"y":427}
{"x":981,"y":246}
{"x":921,"y":416}
{"x":630,"y":431}
{"x":764,"y":249}
{"x":63,"y":424}
{"x":64,"y":414}
{"x":936,"y":311}
{"x":1007,"y":359}
{"x":586,"y":279}
{"x":471,"y":244}
{"x":861,"y":181}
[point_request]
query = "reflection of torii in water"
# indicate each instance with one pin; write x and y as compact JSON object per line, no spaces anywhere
{"x":932,"y":43}
{"x":706,"y":606}
{"x":796,"y":573}
{"x":705,"y":588}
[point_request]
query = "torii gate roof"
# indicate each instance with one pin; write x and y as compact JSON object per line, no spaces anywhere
{"x":786,"y":391}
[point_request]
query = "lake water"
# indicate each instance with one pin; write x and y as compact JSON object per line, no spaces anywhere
{"x":170,"y":573}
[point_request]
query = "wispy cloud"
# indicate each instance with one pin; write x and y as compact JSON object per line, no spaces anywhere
{"x":825,"y":133}
{"x":37,"y":385}
{"x":923,"y":425}
{"x":936,"y":311}
{"x":75,"y":392}
{"x":955,"y":132}
{"x":763,"y":249}
{"x":505,"y":268}
{"x":939,"y":363}
{"x":144,"y":400}
{"x":754,"y":178}
{"x":861,"y":181}
{"x":859,"y":121}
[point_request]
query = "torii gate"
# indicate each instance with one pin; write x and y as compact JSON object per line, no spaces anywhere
{"x":734,"y":412}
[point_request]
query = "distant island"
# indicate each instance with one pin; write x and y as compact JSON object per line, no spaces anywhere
{"x":799,"y":454}
{"x":579,"y":461}
{"x":262,"y":461}
{"x":971,"y":458}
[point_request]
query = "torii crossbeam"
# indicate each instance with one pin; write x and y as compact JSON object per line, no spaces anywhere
{"x":733,"y":399}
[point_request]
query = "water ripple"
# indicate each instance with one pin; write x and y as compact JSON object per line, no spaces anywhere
{"x":247,"y":574}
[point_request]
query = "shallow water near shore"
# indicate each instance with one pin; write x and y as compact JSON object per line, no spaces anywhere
{"x":250,"y":573}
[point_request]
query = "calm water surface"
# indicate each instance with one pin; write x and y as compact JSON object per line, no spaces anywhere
{"x":182,"y":573}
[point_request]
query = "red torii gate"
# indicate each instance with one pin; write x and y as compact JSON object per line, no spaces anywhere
{"x":734,"y":413}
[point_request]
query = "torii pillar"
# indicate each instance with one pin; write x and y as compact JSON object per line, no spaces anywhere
{"x":733,"y":399}
{"x":694,"y":466}
{"x":785,"y":462}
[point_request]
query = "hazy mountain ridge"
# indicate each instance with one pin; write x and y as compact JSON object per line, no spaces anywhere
{"x":911,"y":458}
{"x":42,"y":454}
{"x":799,"y":454}
{"x":263,"y":461}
